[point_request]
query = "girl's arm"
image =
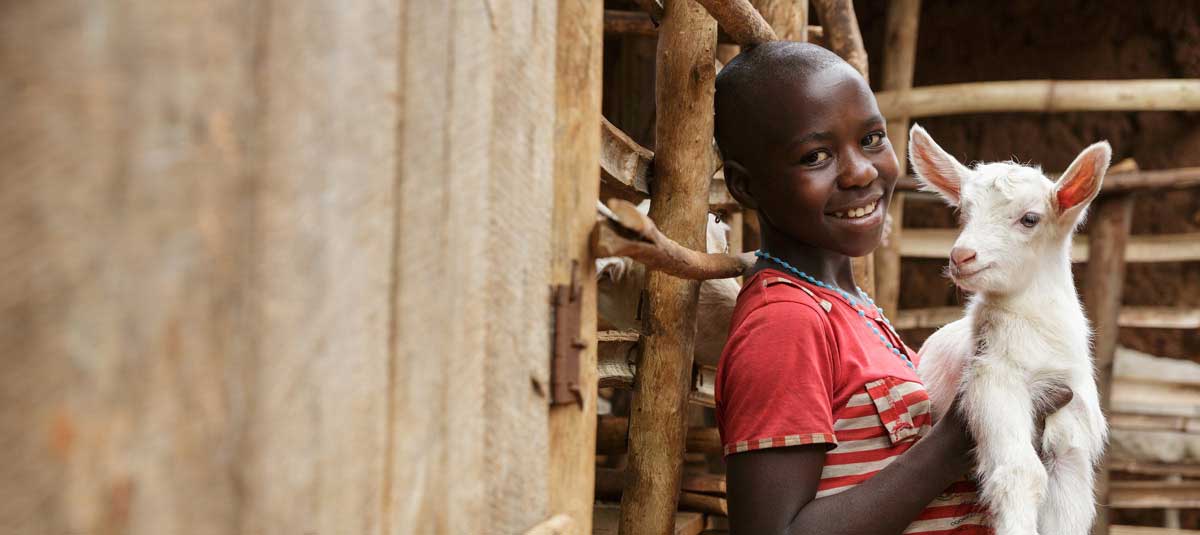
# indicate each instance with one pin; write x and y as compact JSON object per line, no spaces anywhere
{"x":771,"y":491}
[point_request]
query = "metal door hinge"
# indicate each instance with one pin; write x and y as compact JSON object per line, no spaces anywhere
{"x":567,"y":303}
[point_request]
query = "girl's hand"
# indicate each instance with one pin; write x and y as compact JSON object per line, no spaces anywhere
{"x":1053,"y":399}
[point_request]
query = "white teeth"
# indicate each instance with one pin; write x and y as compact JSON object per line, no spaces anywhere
{"x":855,"y":213}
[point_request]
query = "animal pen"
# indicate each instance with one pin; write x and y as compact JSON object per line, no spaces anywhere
{"x":330,"y":267}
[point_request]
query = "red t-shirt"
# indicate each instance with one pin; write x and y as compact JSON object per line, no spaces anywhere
{"x":802,"y":366}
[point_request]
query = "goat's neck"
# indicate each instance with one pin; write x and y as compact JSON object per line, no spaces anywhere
{"x":1050,"y":292}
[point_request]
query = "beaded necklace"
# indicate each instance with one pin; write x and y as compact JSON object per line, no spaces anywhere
{"x":853,"y":303}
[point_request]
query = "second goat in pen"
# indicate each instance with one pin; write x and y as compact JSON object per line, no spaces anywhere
{"x":1024,"y":330}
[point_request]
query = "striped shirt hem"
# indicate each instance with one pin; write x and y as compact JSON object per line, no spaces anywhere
{"x":780,"y":442}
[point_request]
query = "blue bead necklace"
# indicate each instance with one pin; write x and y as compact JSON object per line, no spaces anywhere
{"x":853,"y":303}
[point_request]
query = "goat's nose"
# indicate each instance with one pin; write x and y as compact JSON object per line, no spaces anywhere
{"x":962,"y":255}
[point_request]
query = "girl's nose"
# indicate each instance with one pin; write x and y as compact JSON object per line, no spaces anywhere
{"x":857,"y":172}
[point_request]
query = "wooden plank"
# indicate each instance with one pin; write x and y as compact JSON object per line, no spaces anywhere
{"x":704,"y":483}
{"x":1154,"y":422}
{"x":577,"y":149}
{"x":695,"y":501}
{"x":1105,"y":277}
{"x":1042,"y":96}
{"x":1154,"y":494}
{"x":684,"y":99}
{"x":1116,"y":181}
{"x":1146,"y":530}
{"x":1154,"y":469}
{"x":1184,"y":247}
{"x":198,"y":290}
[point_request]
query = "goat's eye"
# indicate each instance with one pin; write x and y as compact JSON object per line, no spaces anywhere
{"x":1030,"y":219}
{"x":874,"y":139}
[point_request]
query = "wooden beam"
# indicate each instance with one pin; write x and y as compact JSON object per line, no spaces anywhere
{"x":1189,"y":470}
{"x":612,"y":431}
{"x":789,"y":18}
{"x":1138,"y":317}
{"x":741,"y":21}
{"x":705,"y":503}
{"x":936,"y":243}
{"x":628,"y":232}
{"x":899,"y":57}
{"x":616,"y":357}
{"x":1105,"y":278}
{"x":578,"y":83}
{"x":1146,"y":530}
{"x":1117,"y":182}
{"x":1154,"y":422}
{"x":1154,"y":495}
{"x":1043,"y":96}
{"x":842,"y":34}
{"x":684,"y":133}
{"x":620,"y":22}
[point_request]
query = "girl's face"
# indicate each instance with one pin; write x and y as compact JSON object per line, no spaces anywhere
{"x":826,"y":176}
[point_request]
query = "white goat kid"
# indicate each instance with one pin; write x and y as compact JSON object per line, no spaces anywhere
{"x":1024,"y":330}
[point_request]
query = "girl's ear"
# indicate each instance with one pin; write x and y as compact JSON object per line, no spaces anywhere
{"x":737,"y":180}
{"x":1081,"y":182}
{"x":936,"y":169}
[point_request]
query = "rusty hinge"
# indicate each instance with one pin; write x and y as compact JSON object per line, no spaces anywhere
{"x":568,"y":345}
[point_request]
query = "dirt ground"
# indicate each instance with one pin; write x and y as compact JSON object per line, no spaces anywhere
{"x":1073,"y":40}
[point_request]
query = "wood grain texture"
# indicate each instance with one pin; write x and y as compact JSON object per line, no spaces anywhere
{"x":789,"y":18}
{"x":1045,"y":96}
{"x":899,"y":58}
{"x":249,"y":242}
{"x":1105,"y":279}
{"x":684,"y":99}
{"x":841,"y":32}
{"x":578,"y":83}
{"x":741,"y":21}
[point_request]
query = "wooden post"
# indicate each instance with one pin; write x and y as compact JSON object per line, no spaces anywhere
{"x":844,"y":38}
{"x":679,"y":204}
{"x":1105,"y":278}
{"x":899,"y":58}
{"x":578,"y":83}
{"x":789,"y":18}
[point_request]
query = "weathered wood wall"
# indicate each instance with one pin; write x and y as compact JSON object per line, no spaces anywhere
{"x":275,"y":268}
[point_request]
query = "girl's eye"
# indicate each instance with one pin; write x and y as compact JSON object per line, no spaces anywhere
{"x":874,"y":139}
{"x":1030,"y":219}
{"x":814,"y":158}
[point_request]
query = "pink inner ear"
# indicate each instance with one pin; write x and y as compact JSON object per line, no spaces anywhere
{"x":935,"y":175}
{"x":1079,"y":187}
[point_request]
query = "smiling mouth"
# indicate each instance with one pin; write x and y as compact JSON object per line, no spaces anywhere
{"x":858,"y":212}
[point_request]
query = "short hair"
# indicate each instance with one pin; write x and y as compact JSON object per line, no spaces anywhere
{"x":744,"y":86}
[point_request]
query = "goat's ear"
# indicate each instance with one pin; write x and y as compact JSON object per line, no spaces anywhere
{"x":1081,"y":181}
{"x":936,"y":169}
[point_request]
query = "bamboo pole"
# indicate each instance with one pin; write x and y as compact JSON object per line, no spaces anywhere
{"x":580,"y":42}
{"x":899,"y":57}
{"x":841,"y":31}
{"x":682,"y":170}
{"x":1105,"y":279}
{"x":1046,"y":96}
{"x":741,"y":21}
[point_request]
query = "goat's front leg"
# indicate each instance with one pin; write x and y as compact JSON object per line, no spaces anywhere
{"x":998,"y":407}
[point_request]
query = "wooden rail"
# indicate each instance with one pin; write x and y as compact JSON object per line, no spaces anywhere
{"x":619,"y":22}
{"x":1142,"y":317}
{"x":936,"y":243}
{"x":1117,"y":181}
{"x":626,"y":168}
{"x":1045,"y":96}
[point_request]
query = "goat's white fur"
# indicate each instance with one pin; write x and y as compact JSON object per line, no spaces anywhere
{"x":1024,"y":329}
